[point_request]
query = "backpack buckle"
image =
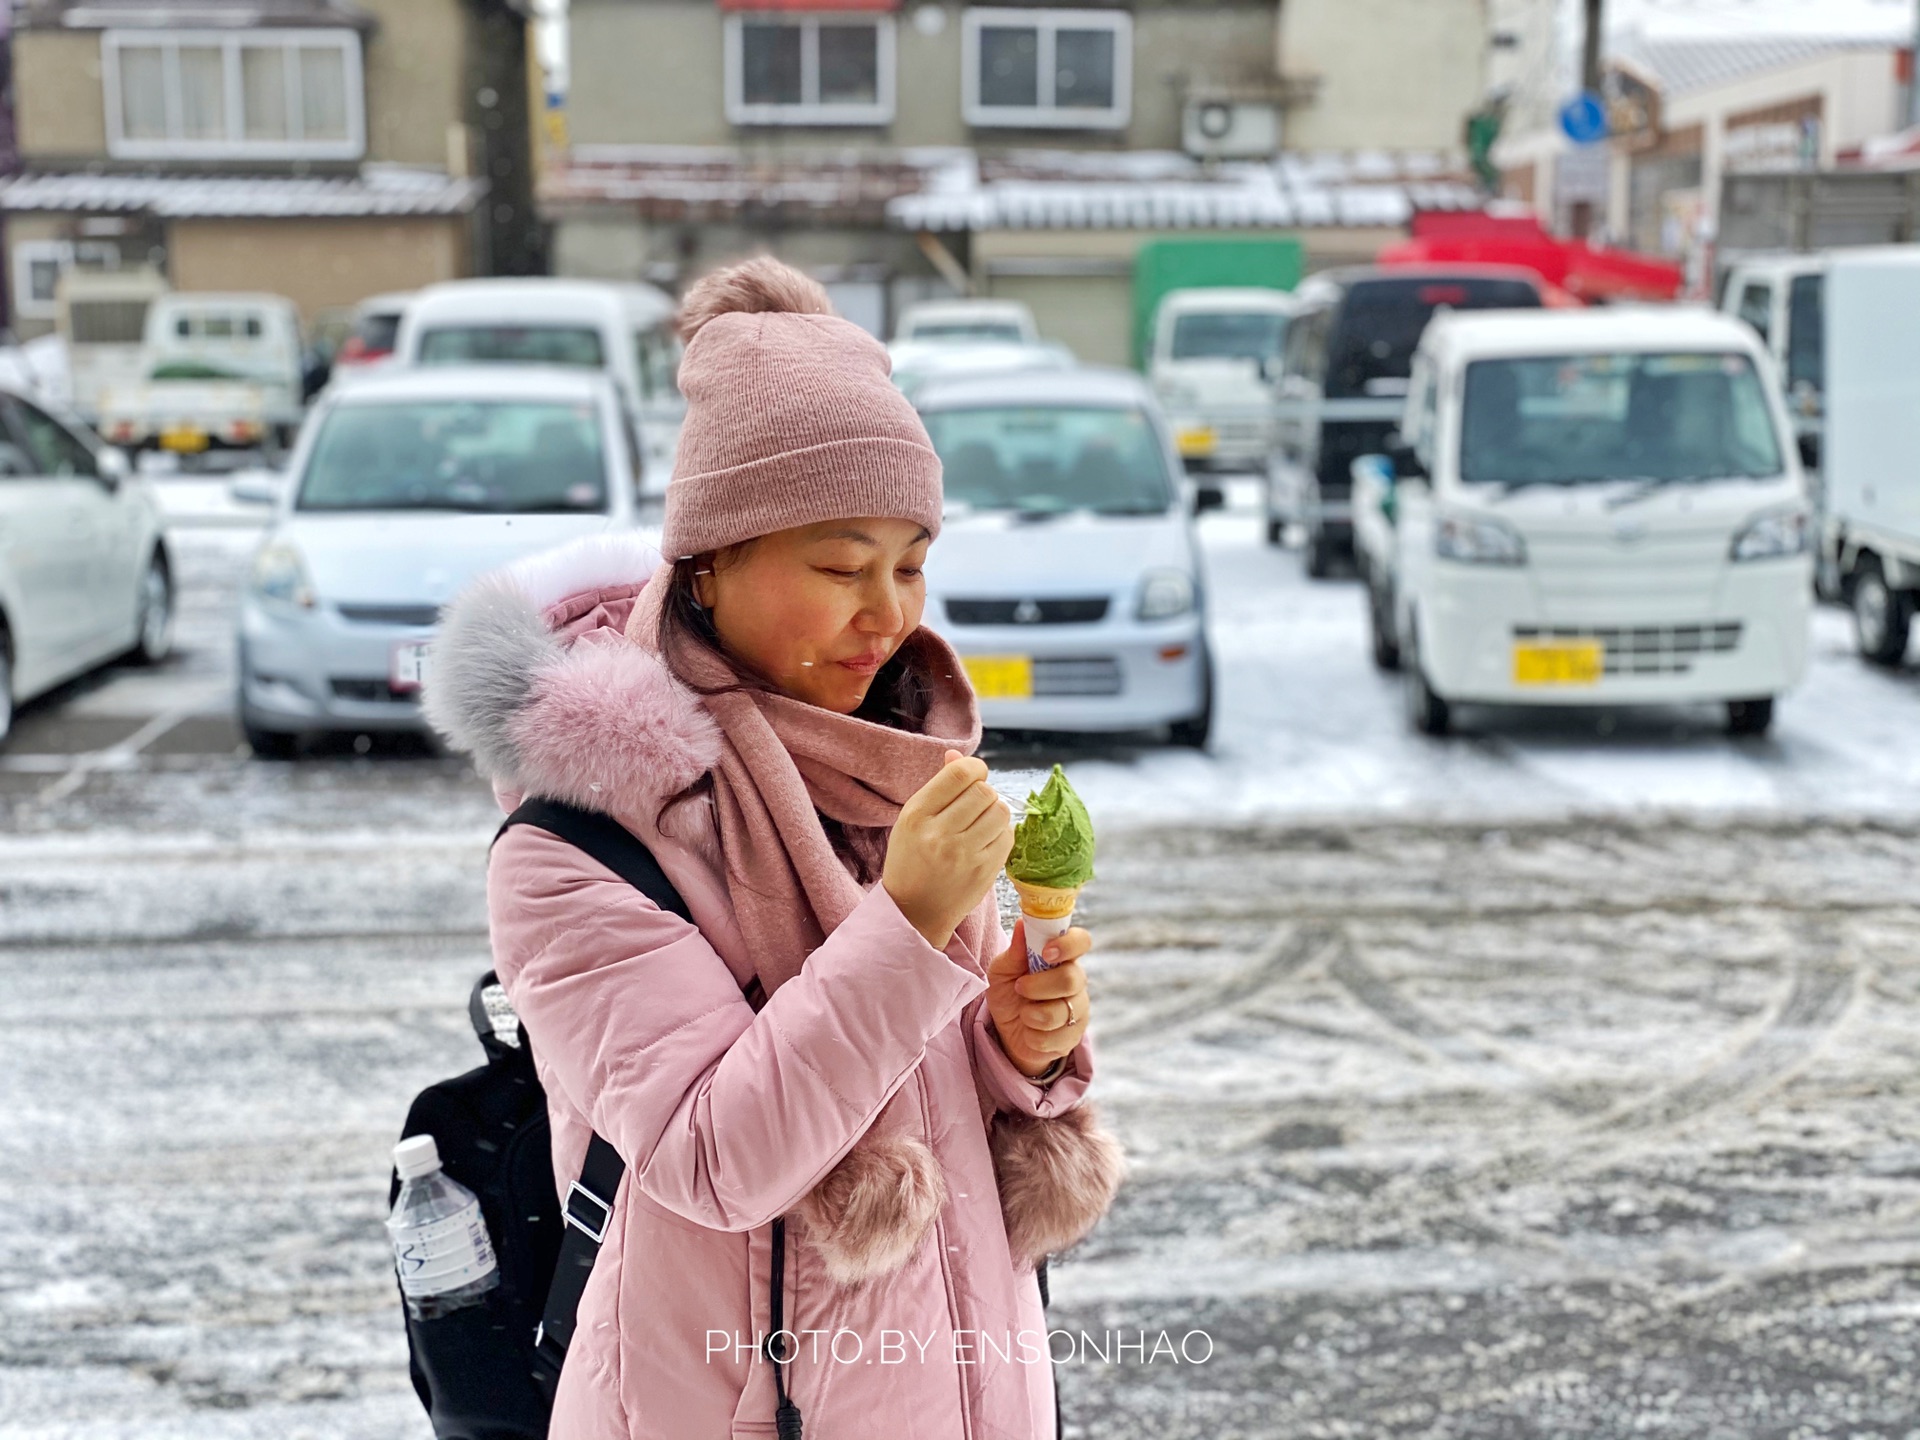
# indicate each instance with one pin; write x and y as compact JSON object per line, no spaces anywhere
{"x":597,"y":1235}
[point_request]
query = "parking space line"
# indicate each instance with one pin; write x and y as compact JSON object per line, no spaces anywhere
{"x":113,"y":757}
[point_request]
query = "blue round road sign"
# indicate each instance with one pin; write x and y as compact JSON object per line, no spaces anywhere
{"x":1584,"y":118}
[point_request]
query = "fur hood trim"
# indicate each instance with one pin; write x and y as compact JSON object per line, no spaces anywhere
{"x":550,"y":699}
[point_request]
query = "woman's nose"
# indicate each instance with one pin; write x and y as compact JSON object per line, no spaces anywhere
{"x":883,"y":614}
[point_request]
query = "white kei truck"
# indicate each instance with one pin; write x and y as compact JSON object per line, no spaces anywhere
{"x":1872,"y":442}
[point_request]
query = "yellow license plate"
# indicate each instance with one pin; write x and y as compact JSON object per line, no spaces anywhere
{"x":1001,"y":677}
{"x":1196,"y":440}
{"x":1573,"y":662}
{"x":183,"y":439}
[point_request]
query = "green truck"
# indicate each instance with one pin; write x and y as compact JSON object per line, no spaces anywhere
{"x":1161,"y":266}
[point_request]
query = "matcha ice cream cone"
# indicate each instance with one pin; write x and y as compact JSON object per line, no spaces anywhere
{"x":1051,"y":862}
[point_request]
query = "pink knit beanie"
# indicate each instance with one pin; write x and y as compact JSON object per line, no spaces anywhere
{"x":791,"y":417}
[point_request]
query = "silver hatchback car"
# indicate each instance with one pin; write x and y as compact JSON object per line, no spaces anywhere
{"x":403,"y":486}
{"x":1067,"y":574}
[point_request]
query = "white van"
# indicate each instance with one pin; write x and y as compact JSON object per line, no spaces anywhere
{"x":626,"y":330}
{"x":969,"y":322}
{"x":1597,"y":507}
{"x":1214,"y":362}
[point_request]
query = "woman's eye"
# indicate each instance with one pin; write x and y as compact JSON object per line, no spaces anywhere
{"x":910,"y":572}
{"x":841,"y":574}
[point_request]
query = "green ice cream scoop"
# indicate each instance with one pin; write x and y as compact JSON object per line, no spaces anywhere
{"x":1053,"y":843}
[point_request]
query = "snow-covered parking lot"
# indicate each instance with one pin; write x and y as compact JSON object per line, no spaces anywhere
{"x":1558,"y":1079}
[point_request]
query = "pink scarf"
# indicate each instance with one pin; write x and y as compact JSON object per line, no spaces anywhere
{"x":782,"y":760}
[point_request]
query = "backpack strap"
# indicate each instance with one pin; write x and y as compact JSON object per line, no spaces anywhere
{"x":588,"y":1208}
{"x":606,"y":840}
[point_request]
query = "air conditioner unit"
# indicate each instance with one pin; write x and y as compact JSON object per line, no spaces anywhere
{"x":1220,"y":129}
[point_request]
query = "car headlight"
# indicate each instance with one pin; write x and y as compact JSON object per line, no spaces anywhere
{"x":1773,"y":535}
{"x":279,"y":573}
{"x":1164,"y":594}
{"x":1478,"y":540}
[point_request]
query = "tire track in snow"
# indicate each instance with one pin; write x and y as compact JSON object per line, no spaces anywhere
{"x":1290,"y":953}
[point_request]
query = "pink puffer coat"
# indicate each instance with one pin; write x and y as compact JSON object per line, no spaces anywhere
{"x":727,"y":1117}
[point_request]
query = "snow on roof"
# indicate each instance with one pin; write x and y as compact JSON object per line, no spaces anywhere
{"x":1156,"y":190}
{"x":184,"y":14}
{"x":376,"y":190}
{"x":957,"y":189}
{"x":1463,"y":334}
{"x":1683,"y":66}
{"x":1095,"y":385}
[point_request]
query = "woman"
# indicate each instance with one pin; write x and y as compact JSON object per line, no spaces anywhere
{"x":845,"y":1036}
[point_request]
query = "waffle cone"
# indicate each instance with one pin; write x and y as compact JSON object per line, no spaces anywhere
{"x":1045,"y":902}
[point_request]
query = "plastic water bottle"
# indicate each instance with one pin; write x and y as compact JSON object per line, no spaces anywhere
{"x":440,"y":1243}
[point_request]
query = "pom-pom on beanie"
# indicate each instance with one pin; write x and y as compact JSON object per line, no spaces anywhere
{"x":791,"y":417}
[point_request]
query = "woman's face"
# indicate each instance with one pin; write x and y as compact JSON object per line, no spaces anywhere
{"x":819,"y":608}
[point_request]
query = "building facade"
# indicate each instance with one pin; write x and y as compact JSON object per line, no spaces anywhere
{"x":899,"y":150}
{"x":1685,"y":114}
{"x":319,"y":149}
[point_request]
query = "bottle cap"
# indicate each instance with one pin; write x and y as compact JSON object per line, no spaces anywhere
{"x":415,"y":1156}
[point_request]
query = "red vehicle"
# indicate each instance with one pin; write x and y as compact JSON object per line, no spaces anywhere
{"x":1583,"y":273}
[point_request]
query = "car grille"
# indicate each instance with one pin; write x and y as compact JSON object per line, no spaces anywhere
{"x":345,"y":688}
{"x":1055,"y":677}
{"x":1646,"y":649}
{"x":1074,"y":611}
{"x":391,"y":614}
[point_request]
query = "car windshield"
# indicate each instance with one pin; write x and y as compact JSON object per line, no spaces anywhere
{"x":1371,"y":349}
{"x":497,"y":457}
{"x":1042,"y":459}
{"x":577,"y":345}
{"x":1254,"y":335}
{"x":1584,"y":419}
{"x":1003,"y":330}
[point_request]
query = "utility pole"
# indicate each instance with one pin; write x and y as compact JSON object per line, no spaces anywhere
{"x":1913,"y":73}
{"x":1580,"y":215}
{"x":1590,"y":48}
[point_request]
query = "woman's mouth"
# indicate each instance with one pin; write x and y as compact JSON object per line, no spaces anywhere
{"x":864,"y":664}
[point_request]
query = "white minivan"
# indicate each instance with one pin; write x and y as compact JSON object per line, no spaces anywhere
{"x":1598,"y":507}
{"x":626,"y":330}
{"x":1214,"y":360}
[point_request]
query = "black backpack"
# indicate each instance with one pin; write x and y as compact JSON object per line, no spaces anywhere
{"x":488,"y":1371}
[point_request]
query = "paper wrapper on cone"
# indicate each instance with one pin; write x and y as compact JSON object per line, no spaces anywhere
{"x":1047,"y":912}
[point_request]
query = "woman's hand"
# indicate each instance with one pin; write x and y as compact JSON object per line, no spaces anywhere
{"x":949,"y":843}
{"x":1031,"y":1010}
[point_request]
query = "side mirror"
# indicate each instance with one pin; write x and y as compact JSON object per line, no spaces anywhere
{"x":256,"y":487}
{"x":1809,"y":444}
{"x":113,"y":465}
{"x":1208,"y":497}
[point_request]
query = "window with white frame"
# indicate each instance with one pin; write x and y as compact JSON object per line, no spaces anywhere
{"x":1047,"y":69}
{"x":39,"y":264}
{"x":789,"y":69}
{"x":266,"y":94}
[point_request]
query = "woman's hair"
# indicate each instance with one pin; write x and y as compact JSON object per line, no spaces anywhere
{"x":898,"y":697}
